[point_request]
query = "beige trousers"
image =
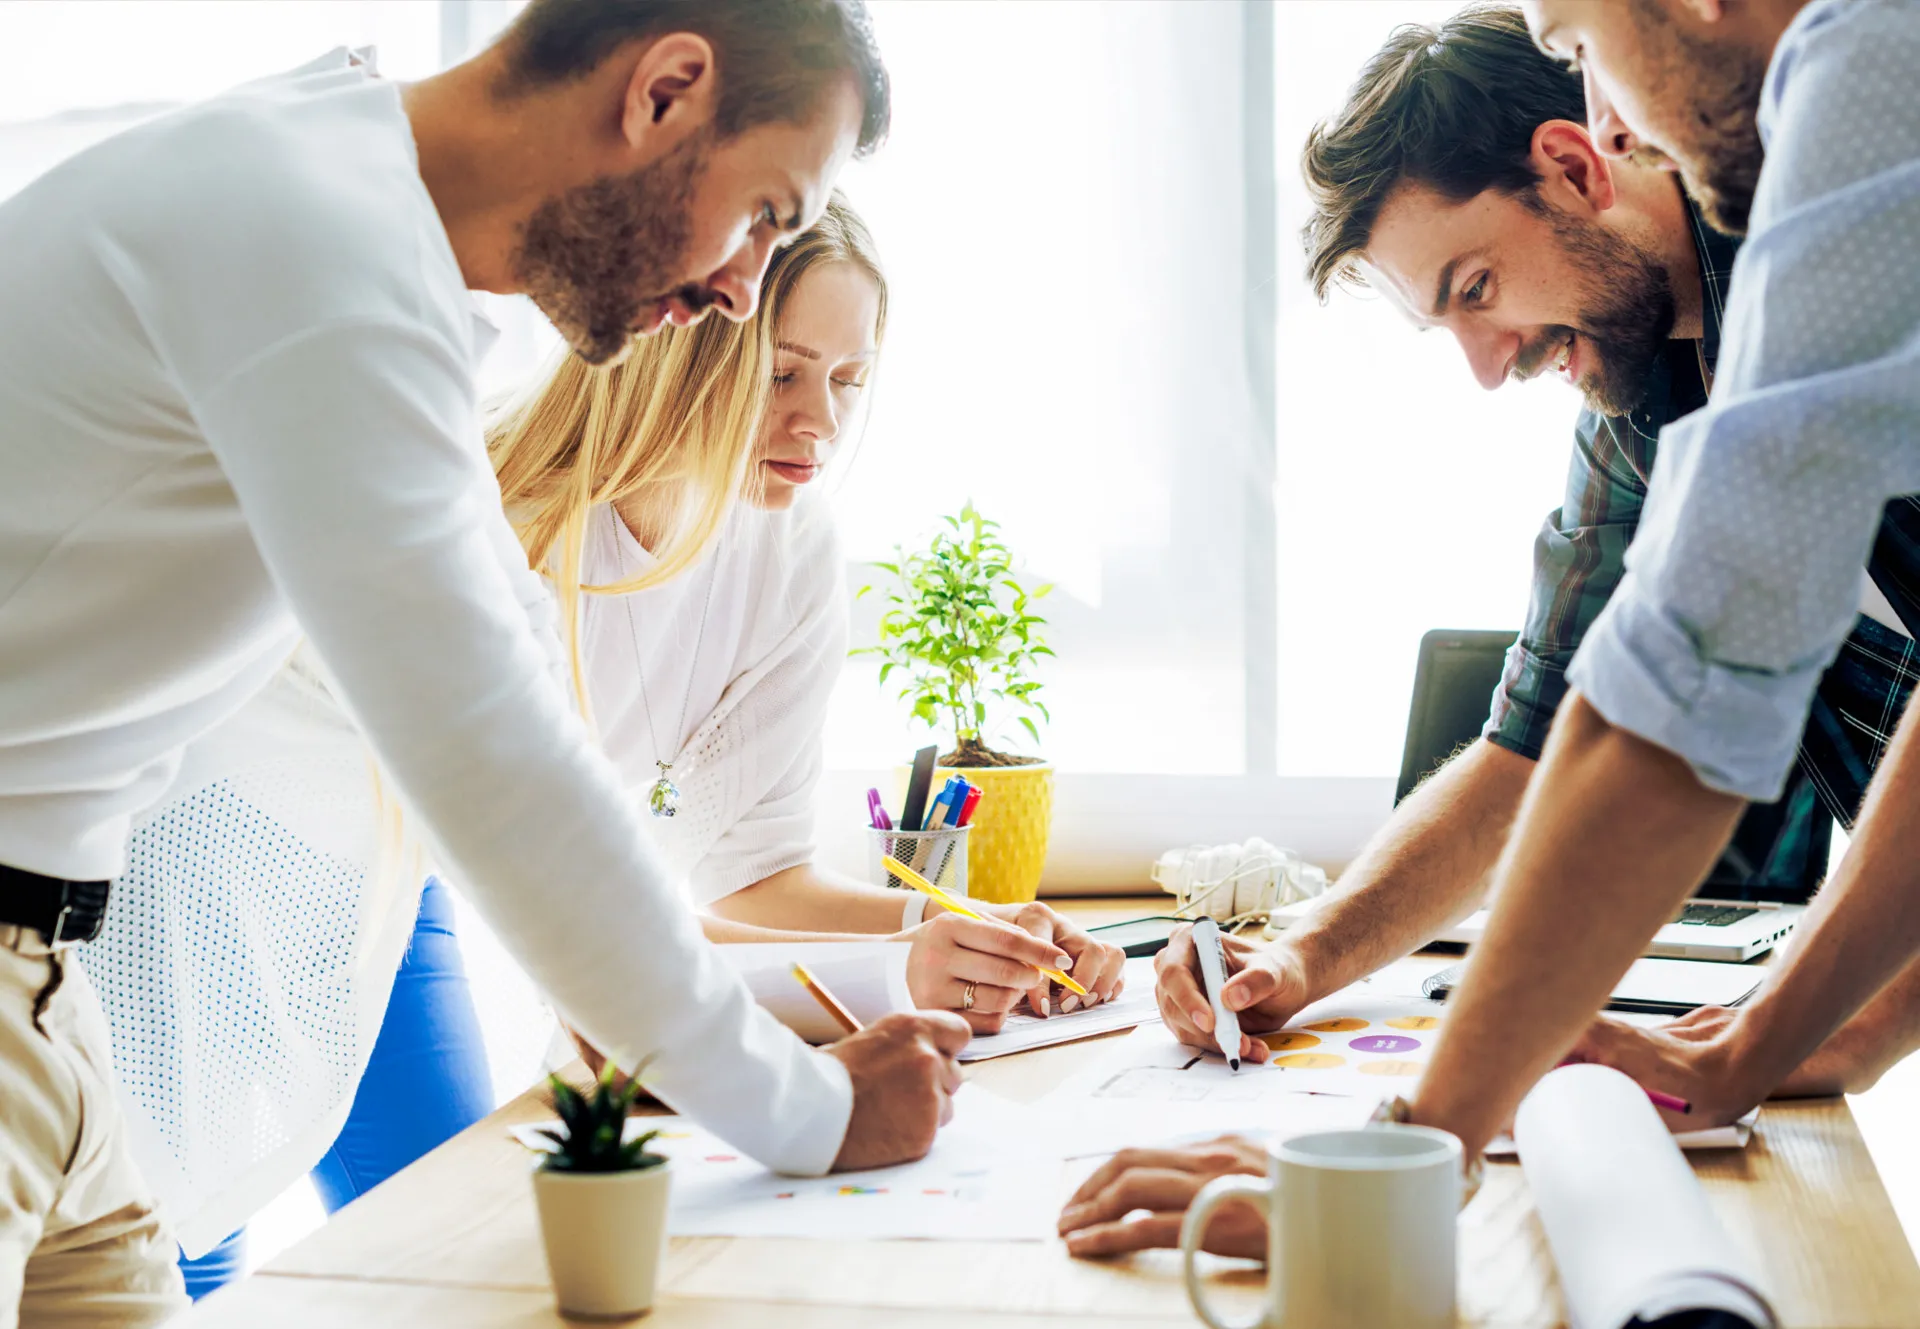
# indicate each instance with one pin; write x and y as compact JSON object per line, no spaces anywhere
{"x":80,"y":1243}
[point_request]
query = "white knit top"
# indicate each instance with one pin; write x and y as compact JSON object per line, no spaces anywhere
{"x":738,"y":705}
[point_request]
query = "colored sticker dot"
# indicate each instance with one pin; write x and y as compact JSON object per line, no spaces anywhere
{"x":1288,"y":1040}
{"x":1384,"y":1043}
{"x":1309,"y":1061}
{"x":1346,"y":1024}
{"x":1414,"y":1022}
{"x":1390,"y":1068}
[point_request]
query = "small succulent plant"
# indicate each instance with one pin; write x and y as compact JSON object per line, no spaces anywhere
{"x":594,"y":1123}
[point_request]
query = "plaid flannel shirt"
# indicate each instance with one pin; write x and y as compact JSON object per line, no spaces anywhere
{"x":1580,"y":556}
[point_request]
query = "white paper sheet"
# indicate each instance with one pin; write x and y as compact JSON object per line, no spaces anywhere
{"x":1630,"y":1228}
{"x":1022,"y":1033}
{"x":1152,"y":1090}
{"x":993,"y":1174}
{"x":868,"y":977}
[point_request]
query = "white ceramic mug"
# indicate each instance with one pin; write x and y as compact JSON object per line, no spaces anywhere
{"x":1360,"y":1230}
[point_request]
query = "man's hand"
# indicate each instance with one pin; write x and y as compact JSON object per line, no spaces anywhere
{"x":1697,"y":1057}
{"x":1163,"y":1182}
{"x":1000,"y":958}
{"x":1692,"y":1057}
{"x":1266,"y":986}
{"x":904,"y":1076}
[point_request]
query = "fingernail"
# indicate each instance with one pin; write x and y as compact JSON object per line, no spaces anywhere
{"x":1064,"y":963}
{"x":1069,"y":1005}
{"x":1070,"y":1217}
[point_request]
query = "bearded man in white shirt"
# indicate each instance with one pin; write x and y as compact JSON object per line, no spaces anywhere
{"x":237,"y":409}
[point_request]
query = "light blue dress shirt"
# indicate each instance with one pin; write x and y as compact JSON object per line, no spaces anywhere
{"x":1745,"y":575}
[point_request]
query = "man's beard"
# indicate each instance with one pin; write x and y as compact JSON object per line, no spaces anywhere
{"x":1626,"y":313}
{"x":1715,"y":139}
{"x":598,"y":258}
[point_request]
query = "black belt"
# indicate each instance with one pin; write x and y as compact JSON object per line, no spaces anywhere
{"x":60,"y":910}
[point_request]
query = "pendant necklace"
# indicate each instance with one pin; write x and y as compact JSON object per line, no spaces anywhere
{"x":663,"y":799}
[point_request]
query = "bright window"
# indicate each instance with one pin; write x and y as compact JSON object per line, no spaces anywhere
{"x":1061,"y":211}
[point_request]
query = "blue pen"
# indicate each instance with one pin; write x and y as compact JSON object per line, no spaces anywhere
{"x":960,"y":789}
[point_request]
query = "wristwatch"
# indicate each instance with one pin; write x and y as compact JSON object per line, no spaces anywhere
{"x":1397,"y":1111}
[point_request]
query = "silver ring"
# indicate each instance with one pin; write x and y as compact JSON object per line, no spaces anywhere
{"x":966,"y":998}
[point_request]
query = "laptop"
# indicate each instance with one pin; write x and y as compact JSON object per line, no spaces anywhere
{"x":1737,"y":914}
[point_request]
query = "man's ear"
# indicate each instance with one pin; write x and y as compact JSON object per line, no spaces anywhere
{"x":671,"y":93}
{"x":1567,"y":161}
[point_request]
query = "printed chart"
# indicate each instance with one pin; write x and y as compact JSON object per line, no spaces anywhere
{"x":1364,"y":1046}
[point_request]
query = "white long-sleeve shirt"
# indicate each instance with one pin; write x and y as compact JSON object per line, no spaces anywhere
{"x":236,"y":402}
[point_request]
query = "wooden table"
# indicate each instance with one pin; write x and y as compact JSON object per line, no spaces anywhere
{"x":453,"y":1240}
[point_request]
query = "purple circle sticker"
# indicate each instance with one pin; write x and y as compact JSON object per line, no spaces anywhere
{"x":1384,"y":1043}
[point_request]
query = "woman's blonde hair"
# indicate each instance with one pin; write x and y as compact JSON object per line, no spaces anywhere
{"x":684,"y":409}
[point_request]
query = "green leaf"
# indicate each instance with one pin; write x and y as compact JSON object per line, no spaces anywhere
{"x":1027,"y":724}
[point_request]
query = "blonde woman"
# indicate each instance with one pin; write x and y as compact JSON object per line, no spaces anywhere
{"x":710,"y":689}
{"x":277,"y":1005}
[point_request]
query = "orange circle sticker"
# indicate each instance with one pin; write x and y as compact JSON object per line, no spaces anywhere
{"x":1414,"y":1022}
{"x":1346,"y":1024}
{"x":1391,"y":1067}
{"x":1308,"y":1061}
{"x":1289,"y":1041}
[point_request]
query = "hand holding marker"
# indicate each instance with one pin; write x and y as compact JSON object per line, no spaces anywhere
{"x":1213,"y":979}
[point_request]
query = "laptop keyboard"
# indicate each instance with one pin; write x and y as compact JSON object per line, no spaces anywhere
{"x":1714,"y":915}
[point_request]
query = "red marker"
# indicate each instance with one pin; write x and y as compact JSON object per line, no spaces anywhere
{"x":966,"y":809}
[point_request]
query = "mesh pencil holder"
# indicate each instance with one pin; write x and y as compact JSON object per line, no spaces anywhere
{"x":939,"y":856}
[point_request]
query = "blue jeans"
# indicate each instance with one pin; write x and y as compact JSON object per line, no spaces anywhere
{"x":426,"y":1082}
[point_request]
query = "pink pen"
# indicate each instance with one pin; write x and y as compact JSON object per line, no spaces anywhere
{"x":1667,"y":1101}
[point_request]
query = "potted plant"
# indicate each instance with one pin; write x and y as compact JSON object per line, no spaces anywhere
{"x":602,"y":1200}
{"x":960,"y":632}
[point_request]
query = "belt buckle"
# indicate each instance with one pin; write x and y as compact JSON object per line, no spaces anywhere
{"x":57,"y":937}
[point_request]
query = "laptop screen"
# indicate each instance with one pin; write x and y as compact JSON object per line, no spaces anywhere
{"x":1453,"y":688}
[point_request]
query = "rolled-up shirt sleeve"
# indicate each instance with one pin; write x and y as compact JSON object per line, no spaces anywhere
{"x":1744,"y":578}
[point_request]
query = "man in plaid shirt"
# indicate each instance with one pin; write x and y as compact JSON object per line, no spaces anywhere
{"x":1459,"y":181}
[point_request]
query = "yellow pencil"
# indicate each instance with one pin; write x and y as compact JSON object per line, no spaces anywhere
{"x":828,"y":1002}
{"x":945,"y":901}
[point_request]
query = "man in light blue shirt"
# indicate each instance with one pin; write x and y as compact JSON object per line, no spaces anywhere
{"x":1693,"y":685}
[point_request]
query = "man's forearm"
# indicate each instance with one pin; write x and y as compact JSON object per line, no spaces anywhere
{"x":1426,"y":868}
{"x":1862,"y":931}
{"x":1884,"y":1032}
{"x":1613,"y":834}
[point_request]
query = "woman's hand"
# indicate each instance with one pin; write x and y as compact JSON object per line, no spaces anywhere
{"x":1097,"y":966}
{"x":998,"y":960}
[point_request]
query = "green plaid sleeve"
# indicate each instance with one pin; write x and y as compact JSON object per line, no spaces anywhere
{"x":1578,"y":560}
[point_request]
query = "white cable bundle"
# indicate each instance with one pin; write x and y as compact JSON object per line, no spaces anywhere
{"x":1236,"y":883}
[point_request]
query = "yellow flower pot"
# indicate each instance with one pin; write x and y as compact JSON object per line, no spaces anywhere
{"x":1007,"y":839}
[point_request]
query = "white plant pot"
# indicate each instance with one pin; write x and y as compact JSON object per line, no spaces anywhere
{"x":605,"y":1234}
